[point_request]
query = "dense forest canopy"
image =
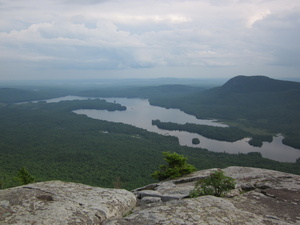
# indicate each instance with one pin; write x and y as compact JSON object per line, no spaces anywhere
{"x":259,"y":105}
{"x":51,"y":142}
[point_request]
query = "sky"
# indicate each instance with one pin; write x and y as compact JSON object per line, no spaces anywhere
{"x":90,"y":39}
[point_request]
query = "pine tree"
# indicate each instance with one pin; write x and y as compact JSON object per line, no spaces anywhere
{"x":24,"y":177}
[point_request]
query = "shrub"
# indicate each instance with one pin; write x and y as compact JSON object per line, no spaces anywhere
{"x":24,"y":177}
{"x":216,"y":184}
{"x":177,"y":166}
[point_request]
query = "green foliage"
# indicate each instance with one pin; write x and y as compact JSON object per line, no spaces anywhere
{"x":1,"y":183}
{"x":216,"y":184}
{"x":195,"y":141}
{"x":24,"y":177}
{"x":142,"y":92}
{"x":273,"y":108}
{"x":55,"y":144}
{"x":177,"y":166}
{"x":292,"y":139}
{"x":257,"y":140}
{"x":14,"y":95}
{"x":230,"y":134}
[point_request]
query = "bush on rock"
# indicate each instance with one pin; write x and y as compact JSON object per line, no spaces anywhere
{"x":216,"y":184}
{"x":177,"y":166}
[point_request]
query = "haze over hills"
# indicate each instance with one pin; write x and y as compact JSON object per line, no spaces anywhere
{"x":51,"y":141}
{"x":258,"y":104}
{"x":20,"y":91}
{"x":258,"y":84}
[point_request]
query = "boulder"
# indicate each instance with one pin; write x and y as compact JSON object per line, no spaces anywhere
{"x":202,"y":210}
{"x":57,"y":202}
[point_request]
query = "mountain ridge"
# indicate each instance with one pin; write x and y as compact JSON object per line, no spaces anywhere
{"x":255,"y":103}
{"x":258,"y":84}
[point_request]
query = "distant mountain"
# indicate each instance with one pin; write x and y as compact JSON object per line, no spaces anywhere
{"x":15,"y":95}
{"x":258,"y":84}
{"x":256,"y":103}
{"x":9,"y":95}
{"x":143,"y":92}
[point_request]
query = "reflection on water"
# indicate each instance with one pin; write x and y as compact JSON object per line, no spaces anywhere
{"x":140,"y":113}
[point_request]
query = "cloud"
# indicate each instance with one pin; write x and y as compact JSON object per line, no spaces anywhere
{"x":84,"y":2}
{"x":281,"y":34}
{"x":117,"y":35}
{"x":257,"y":17}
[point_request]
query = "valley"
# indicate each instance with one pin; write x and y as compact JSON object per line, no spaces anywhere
{"x":55,"y":144}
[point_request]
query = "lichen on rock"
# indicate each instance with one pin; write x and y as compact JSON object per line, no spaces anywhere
{"x":260,"y":197}
{"x":57,"y":202}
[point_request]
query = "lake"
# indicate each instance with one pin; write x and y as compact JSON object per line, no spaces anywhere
{"x":140,"y":113}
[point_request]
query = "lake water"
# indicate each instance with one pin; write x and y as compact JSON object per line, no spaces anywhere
{"x":140,"y":113}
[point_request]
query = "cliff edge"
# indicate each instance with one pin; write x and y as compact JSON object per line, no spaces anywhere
{"x":261,"y":197}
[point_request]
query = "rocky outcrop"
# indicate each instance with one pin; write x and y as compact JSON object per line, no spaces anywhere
{"x":260,"y":197}
{"x":204,"y":210}
{"x":57,"y":202}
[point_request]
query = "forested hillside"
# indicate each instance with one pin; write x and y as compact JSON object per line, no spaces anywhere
{"x":53,"y":143}
{"x":174,"y":90}
{"x":31,"y":93}
{"x":259,"y":105}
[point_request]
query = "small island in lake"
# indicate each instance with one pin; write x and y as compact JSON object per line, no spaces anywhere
{"x":196,"y":141}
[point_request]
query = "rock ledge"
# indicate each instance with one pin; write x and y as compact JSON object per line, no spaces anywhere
{"x":57,"y":202}
{"x":260,"y":197}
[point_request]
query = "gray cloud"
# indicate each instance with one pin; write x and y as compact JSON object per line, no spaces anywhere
{"x":84,"y":2}
{"x":280,"y":35}
{"x":205,"y":37}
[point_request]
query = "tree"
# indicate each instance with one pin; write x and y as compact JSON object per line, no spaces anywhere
{"x":24,"y":177}
{"x":195,"y":141}
{"x":177,"y":166}
{"x":216,"y":184}
{"x":1,"y":182}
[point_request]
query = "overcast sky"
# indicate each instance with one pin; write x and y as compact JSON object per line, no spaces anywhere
{"x":78,"y":39}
